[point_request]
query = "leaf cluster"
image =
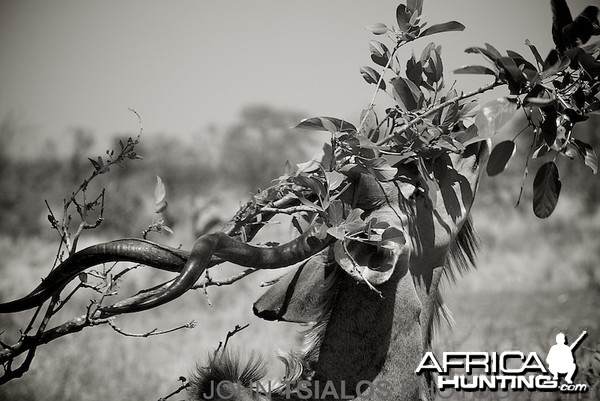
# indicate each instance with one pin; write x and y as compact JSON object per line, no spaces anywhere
{"x":554,"y":94}
{"x":429,"y":121}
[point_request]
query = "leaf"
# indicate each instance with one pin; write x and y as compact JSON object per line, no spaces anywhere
{"x":589,"y":155}
{"x":494,"y":115}
{"x":414,"y":70}
{"x":312,"y":183}
{"x":326,"y":124}
{"x":337,"y":232}
{"x":378,"y":28}
{"x":380,"y":169}
{"x":449,"y":115}
{"x":521,"y":61}
{"x":407,"y":93}
{"x":546,"y":190}
{"x":475,"y":69}
{"x":469,"y":108}
{"x":372,"y":76}
{"x":415,"y":6}
{"x":535,"y":52}
{"x":160,"y":194}
{"x":159,"y":191}
{"x":449,"y":143}
{"x":354,"y":223}
{"x":311,"y":205}
{"x":492,"y":57}
{"x":426,"y":54}
{"x":515,"y":77}
{"x":403,"y":17}
{"x":368,"y":118}
{"x":561,"y":64}
{"x":434,"y":69}
{"x":97,"y":166}
{"x":289,"y":168}
{"x":467,"y":134}
{"x":548,"y":126}
{"x":500,"y":157}
{"x":445,"y":27}
{"x":379,"y":53}
{"x":334,"y":179}
{"x":493,"y":50}
{"x":306,"y":167}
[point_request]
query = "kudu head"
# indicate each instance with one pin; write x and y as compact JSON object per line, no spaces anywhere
{"x":421,"y":232}
{"x":373,"y":305}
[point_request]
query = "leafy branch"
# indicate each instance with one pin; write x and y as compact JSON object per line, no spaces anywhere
{"x":427,"y":122}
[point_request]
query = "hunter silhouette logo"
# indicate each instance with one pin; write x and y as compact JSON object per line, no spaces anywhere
{"x":560,"y":358}
{"x":508,"y":370}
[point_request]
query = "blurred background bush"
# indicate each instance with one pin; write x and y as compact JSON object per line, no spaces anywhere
{"x":534,"y":277}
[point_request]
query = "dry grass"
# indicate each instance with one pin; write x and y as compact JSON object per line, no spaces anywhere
{"x":531,"y":283}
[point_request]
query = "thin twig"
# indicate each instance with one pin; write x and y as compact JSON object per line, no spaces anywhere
{"x":125,"y":271}
{"x":153,"y":332}
{"x":223,"y":345}
{"x":139,"y":122}
{"x":230,"y":334}
{"x":210,"y":282}
{"x":377,"y":88}
{"x":184,"y":386}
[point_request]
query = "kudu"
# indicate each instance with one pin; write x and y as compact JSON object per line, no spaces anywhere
{"x":372,"y":308}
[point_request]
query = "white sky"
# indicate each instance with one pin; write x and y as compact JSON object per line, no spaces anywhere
{"x":186,"y":64}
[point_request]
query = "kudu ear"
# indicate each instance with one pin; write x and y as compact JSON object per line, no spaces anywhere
{"x":301,"y":295}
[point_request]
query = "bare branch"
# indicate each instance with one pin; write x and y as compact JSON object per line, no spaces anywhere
{"x":43,"y":337}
